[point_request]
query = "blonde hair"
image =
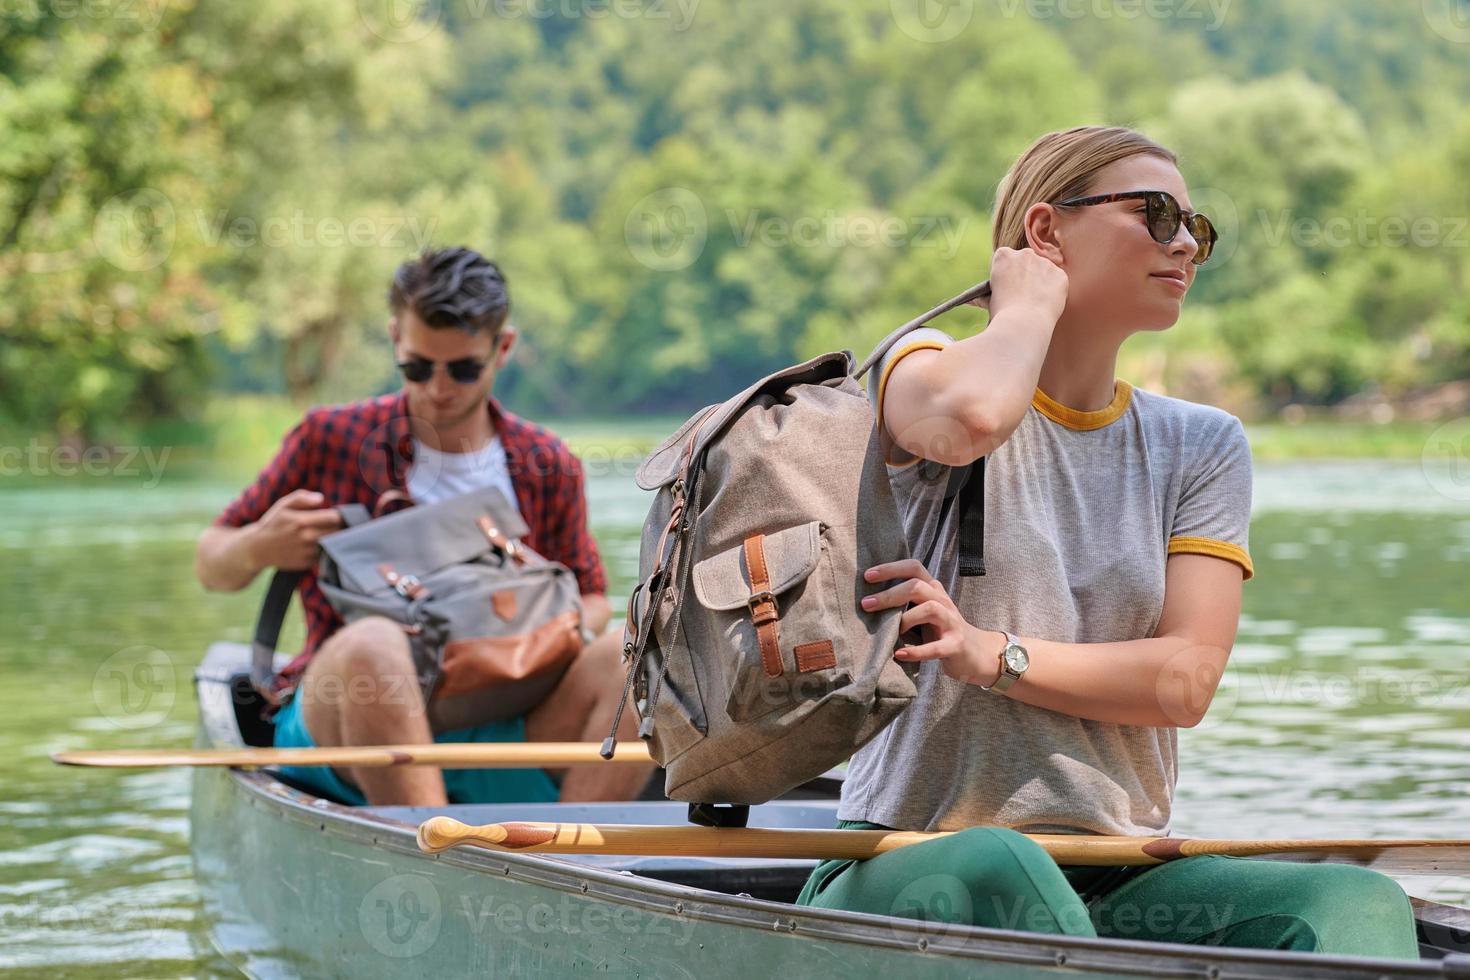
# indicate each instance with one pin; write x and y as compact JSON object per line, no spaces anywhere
{"x":1060,"y":166}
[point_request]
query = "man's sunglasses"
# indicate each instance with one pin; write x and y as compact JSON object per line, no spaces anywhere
{"x":466,"y":370}
{"x":1164,"y":218}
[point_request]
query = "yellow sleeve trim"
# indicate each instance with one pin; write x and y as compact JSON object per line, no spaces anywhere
{"x":1214,"y":548}
{"x":893,"y":358}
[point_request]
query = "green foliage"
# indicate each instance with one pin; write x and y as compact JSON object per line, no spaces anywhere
{"x":198,"y":197}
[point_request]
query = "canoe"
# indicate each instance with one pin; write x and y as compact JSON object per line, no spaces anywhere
{"x":295,"y":885}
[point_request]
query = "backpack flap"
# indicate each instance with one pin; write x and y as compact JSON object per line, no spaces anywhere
{"x":722,"y":582}
{"x":663,"y":464}
{"x":421,"y":540}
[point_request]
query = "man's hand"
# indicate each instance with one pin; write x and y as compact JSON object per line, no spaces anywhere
{"x":286,"y":537}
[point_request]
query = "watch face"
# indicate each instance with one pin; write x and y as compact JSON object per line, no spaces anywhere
{"x":1016,"y":658}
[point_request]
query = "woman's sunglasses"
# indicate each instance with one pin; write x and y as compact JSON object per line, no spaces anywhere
{"x":1164,"y":218}
{"x":466,"y":370}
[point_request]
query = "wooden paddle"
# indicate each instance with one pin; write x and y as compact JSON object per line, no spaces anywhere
{"x":1394,"y":856}
{"x":445,"y":755}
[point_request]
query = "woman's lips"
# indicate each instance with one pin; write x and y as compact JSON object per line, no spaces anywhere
{"x":1176,"y":281}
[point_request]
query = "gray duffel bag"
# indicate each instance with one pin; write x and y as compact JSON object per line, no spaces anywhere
{"x":492,"y":625}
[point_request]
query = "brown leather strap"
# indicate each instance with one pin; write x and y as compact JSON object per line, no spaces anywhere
{"x":496,"y":537}
{"x":389,"y":497}
{"x":405,"y":585}
{"x":764,"y":612}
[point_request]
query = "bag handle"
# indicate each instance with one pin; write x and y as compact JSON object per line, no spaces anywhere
{"x":273,"y":614}
{"x":977,"y":295}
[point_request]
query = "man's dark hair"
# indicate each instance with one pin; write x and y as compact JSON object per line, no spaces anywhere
{"x":452,"y":287}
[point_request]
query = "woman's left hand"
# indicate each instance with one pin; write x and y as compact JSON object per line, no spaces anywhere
{"x":947,"y":637}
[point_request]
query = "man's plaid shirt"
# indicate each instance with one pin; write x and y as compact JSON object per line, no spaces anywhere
{"x":355,"y":453}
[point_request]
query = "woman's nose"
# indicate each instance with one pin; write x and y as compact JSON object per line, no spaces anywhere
{"x":1184,"y":244}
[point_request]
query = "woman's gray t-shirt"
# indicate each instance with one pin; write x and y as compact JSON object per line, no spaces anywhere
{"x":1082,"y":510}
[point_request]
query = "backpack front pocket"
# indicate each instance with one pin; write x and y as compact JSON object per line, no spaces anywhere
{"x":773,"y":605}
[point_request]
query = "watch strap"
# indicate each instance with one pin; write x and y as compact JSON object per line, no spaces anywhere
{"x":1007,"y":676}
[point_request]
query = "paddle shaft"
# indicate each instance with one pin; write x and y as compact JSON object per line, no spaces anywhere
{"x":445,"y":755}
{"x":440,"y":833}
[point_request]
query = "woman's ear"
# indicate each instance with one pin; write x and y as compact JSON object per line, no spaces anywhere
{"x":1044,"y":231}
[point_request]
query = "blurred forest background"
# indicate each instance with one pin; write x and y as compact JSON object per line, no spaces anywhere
{"x":201,"y":203}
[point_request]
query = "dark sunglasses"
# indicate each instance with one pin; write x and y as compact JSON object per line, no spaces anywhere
{"x":1164,"y":218}
{"x":466,"y":370}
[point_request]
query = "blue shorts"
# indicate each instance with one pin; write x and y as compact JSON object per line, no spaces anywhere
{"x":463,"y":785}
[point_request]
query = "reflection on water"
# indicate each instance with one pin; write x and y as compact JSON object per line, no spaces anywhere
{"x":1346,"y":710}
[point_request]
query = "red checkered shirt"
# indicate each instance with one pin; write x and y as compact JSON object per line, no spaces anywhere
{"x":355,"y":453}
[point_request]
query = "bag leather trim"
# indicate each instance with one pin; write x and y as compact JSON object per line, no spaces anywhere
{"x":487,"y":661}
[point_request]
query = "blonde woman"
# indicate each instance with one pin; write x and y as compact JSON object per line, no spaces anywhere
{"x":1051,"y":688}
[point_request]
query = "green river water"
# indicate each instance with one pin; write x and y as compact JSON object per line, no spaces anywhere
{"x":1345,"y":712}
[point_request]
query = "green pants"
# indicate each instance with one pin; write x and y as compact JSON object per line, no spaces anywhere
{"x":990,"y":876}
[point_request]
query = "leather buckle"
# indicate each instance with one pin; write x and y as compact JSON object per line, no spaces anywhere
{"x":762,"y":597}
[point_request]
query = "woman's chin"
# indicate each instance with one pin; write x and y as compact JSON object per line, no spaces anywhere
{"x":1161,"y":316}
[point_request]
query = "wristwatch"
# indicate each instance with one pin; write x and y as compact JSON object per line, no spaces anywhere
{"x":1013,"y":663}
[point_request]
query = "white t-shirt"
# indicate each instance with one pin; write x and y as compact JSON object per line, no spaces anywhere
{"x":436,"y":476}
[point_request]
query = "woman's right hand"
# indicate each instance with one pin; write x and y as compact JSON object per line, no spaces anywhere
{"x":1021,"y":278}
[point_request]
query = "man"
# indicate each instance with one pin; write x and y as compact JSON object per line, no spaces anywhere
{"x":442,"y":435}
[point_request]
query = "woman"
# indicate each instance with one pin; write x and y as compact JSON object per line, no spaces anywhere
{"x":1115,"y":552}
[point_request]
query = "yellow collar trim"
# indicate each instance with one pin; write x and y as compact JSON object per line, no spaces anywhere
{"x":1074,"y":418}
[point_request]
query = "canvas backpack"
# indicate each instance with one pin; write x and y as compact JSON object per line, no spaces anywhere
{"x":750,"y":660}
{"x":491,"y":624}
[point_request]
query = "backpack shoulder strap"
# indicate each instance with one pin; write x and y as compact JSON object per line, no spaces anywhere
{"x":273,"y":614}
{"x":966,"y":490}
{"x":979,"y":295}
{"x":268,"y":631}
